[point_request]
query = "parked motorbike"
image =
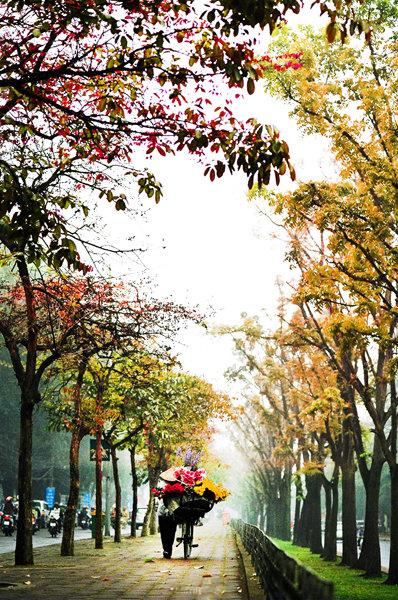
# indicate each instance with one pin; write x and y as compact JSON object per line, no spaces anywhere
{"x":7,"y":525}
{"x":53,"y":527}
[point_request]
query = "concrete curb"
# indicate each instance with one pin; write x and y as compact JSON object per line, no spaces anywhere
{"x":255,"y":591}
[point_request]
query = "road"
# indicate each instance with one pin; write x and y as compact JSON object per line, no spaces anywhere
{"x":384,"y":551}
{"x":134,"y":569}
{"x":41,"y":538}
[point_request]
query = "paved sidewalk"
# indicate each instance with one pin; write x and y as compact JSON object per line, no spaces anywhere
{"x":132,"y":570}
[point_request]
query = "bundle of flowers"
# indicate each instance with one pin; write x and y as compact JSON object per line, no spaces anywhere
{"x":208,"y":488}
{"x":192,"y":488}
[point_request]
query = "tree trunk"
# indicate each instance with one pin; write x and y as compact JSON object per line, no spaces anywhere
{"x":118,"y":496}
{"x":27,"y":379}
{"x":153,"y":528}
{"x":315,"y":515}
{"x":24,"y":548}
{"x":349,"y":555}
{"x":68,"y":546}
{"x":309,"y":530}
{"x":284,"y":502}
{"x":134,"y":485}
{"x":332,"y":505}
{"x":369,"y":559}
{"x":271,"y":515}
{"x":147,"y":527}
{"x":99,"y":542}
{"x":328,"y":512}
{"x":298,"y":504}
{"x":303,"y":527}
{"x":107,"y":507}
{"x":393,"y":566}
{"x":147,"y":518}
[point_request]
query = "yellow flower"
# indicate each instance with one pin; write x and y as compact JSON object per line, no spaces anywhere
{"x":219,"y":491}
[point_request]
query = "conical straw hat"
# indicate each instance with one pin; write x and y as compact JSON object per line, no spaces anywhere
{"x":169,"y":474}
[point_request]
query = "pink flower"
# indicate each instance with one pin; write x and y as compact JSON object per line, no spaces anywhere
{"x":189,"y":477}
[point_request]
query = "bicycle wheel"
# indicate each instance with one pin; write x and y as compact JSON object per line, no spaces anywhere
{"x":187,"y":534}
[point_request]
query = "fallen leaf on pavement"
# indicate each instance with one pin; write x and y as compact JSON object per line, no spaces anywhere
{"x":95,"y":576}
{"x":166,"y":571}
{"x":105,"y":578}
{"x":201,"y":567}
{"x":27,"y":582}
{"x":239,"y":590}
{"x":207,"y":575}
{"x":146,"y":560}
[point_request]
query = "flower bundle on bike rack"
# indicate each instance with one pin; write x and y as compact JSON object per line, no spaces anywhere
{"x":192,"y":494}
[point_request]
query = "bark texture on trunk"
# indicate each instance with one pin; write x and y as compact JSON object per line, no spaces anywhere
{"x":134,"y":484}
{"x":349,"y":554}
{"x":303,"y":527}
{"x":24,"y":547}
{"x":68,"y":545}
{"x":99,"y":542}
{"x":271,"y":514}
{"x":332,"y":502}
{"x":369,"y":559}
{"x":315,"y":522}
{"x":284,"y":505}
{"x":28,"y":382}
{"x":153,"y":526}
{"x":298,"y":484}
{"x":150,"y":515}
{"x":118,"y":496}
{"x":393,"y":565}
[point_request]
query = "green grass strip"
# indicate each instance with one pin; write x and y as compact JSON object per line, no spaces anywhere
{"x":348,"y":583}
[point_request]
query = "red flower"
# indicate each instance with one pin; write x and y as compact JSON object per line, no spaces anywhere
{"x":173,"y":488}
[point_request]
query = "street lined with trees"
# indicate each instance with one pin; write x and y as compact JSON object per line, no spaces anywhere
{"x":88,"y":93}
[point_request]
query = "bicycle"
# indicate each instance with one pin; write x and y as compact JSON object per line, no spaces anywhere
{"x":187,"y":537}
{"x":187,"y":515}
